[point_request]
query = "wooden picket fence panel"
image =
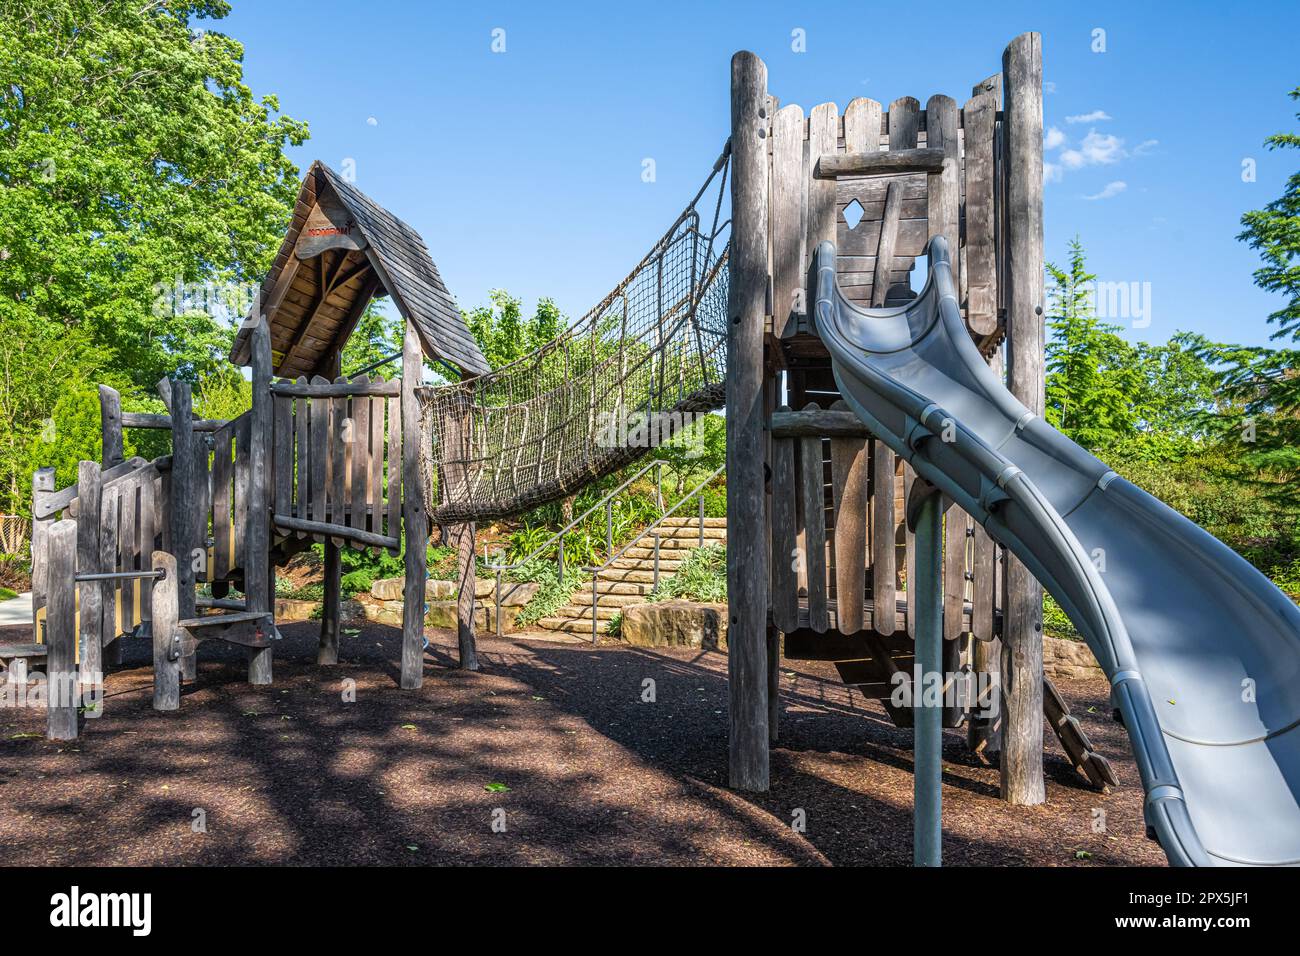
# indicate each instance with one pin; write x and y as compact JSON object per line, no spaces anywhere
{"x":337,"y":460}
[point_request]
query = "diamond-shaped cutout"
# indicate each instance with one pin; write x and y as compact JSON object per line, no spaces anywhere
{"x":853,"y":214}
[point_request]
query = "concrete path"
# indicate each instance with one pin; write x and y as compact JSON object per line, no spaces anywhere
{"x":16,"y":610}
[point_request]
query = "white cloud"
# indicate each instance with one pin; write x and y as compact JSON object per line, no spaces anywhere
{"x":1097,"y":149}
{"x":1096,"y":116}
{"x":1051,"y":173}
{"x":1053,"y":138}
{"x":1146,"y":146}
{"x":1049,"y":86}
{"x":1109,"y":191}
{"x":371,"y":121}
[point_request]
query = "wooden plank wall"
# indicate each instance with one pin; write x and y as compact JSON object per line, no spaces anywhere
{"x":337,"y":458}
{"x":805,"y":210}
{"x":856,"y":539}
{"x":835,"y":495}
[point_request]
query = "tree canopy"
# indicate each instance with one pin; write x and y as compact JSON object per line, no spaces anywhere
{"x":143,"y":191}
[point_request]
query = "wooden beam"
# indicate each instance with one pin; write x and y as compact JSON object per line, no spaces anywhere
{"x":257,"y":536}
{"x":110,"y":427}
{"x":61,"y":633}
{"x":327,"y":651}
{"x":90,"y":640}
{"x":166,"y":664}
{"x":334,"y":529}
{"x":837,"y":165}
{"x":335,"y":390}
{"x":150,"y":420}
{"x":415,"y":518}
{"x":328,"y":287}
{"x":1022,"y":656}
{"x":184,"y":491}
{"x":888,"y":238}
{"x":747,"y":557}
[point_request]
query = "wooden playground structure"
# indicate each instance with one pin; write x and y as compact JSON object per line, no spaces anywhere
{"x":823,"y":554}
{"x":318,"y":458}
{"x":823,"y":544}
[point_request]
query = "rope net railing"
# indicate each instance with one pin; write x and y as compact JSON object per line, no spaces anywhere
{"x":624,"y":378}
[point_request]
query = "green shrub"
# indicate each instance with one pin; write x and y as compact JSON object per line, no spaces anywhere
{"x":1055,"y":621}
{"x":702,"y":577}
{"x":552,"y":594}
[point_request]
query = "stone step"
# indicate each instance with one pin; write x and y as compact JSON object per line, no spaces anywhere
{"x":576,"y":612}
{"x":647,"y":554}
{"x":622,"y":588}
{"x":634,"y":574}
{"x":640,"y":564}
{"x":581,"y":628}
{"x":693,"y":521}
{"x":691,"y":534}
{"x":583,"y":598}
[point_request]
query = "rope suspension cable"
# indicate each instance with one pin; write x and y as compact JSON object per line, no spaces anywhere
{"x":598,"y":396}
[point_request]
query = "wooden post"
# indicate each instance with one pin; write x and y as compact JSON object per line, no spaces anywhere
{"x":984,"y":734}
{"x":328,"y":651}
{"x":1022,"y":652}
{"x":257,"y":536}
{"x":42,"y":487}
{"x":61,"y":632}
{"x":415,"y":520}
{"x":108,"y":511}
{"x":166,"y":669}
{"x":91,"y":639}
{"x":466,"y":576}
{"x":184,"y":518}
{"x":773,"y":684}
{"x":110,"y":427}
{"x":747,"y":557}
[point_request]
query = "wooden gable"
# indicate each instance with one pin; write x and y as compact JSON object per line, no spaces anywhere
{"x":341,"y":251}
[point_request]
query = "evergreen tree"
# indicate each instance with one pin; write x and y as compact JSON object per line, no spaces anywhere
{"x":1092,"y":377}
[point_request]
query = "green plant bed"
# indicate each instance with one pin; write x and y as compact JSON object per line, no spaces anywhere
{"x":552,"y":593}
{"x":7,"y":594}
{"x":702,"y":577}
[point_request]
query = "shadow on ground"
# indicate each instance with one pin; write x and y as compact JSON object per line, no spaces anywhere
{"x":550,"y":755}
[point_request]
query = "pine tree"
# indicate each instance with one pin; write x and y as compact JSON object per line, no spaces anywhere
{"x":1092,"y":378}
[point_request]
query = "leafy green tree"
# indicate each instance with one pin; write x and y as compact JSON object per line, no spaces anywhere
{"x":143,"y":193}
{"x":378,"y":335}
{"x":1092,"y":380}
{"x":504,"y":335}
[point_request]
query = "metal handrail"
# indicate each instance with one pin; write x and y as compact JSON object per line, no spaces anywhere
{"x":557,"y":539}
{"x":651,"y":529}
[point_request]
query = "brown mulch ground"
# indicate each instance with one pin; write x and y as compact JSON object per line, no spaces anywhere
{"x":293,"y":774}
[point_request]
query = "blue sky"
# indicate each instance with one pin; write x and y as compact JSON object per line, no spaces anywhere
{"x":522,"y":169}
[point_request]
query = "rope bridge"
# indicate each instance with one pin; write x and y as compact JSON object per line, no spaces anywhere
{"x":598,"y":396}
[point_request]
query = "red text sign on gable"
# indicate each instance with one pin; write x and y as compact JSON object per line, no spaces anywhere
{"x":329,"y":226}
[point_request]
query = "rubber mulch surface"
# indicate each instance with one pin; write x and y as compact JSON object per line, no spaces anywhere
{"x":551,"y":754}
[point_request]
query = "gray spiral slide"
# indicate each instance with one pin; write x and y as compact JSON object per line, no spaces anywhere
{"x":1201,"y":650}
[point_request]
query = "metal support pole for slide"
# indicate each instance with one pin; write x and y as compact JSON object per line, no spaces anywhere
{"x":928,"y":715}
